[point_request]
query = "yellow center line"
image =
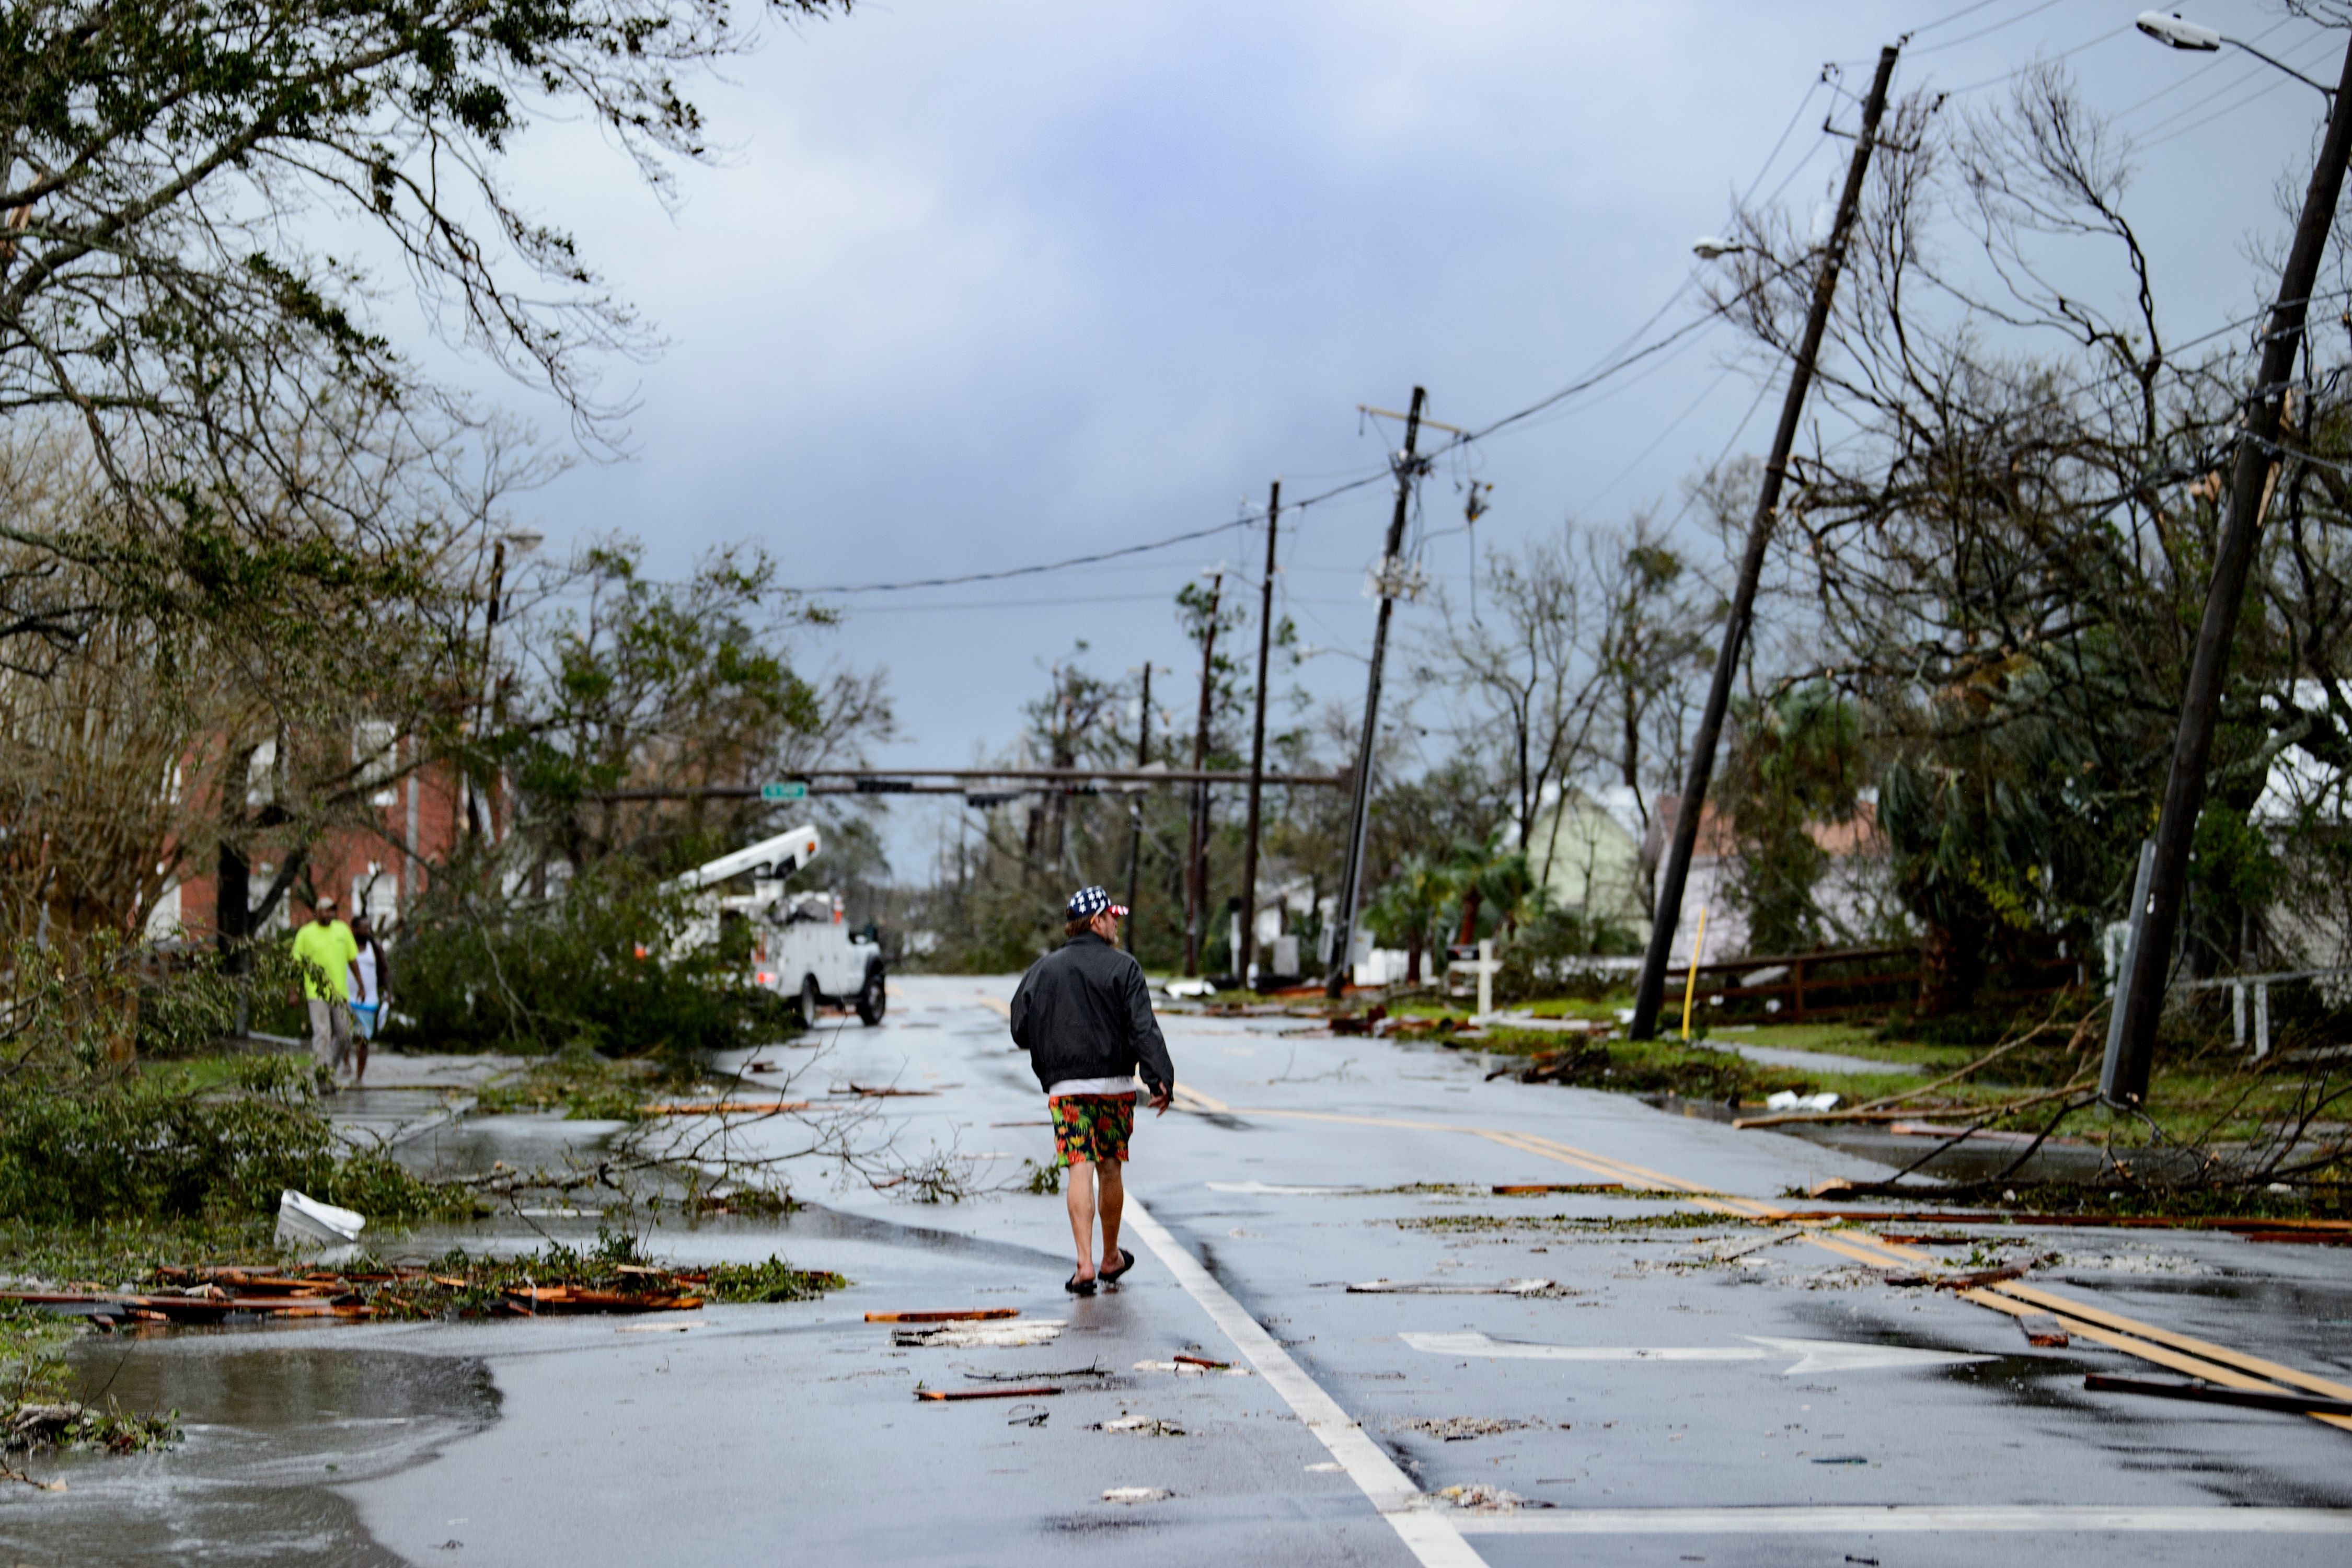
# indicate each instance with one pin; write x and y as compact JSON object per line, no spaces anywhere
{"x":2212,"y":1363}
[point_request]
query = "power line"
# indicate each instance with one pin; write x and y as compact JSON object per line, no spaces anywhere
{"x":2187,"y":77}
{"x":2040,"y":60}
{"x":1949,"y":17}
{"x":1983,"y":32}
{"x":2268,"y":85}
{"x":1616,"y":363}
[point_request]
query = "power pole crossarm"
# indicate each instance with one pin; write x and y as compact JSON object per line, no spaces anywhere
{"x":2142,"y":999}
{"x":1688,"y":810}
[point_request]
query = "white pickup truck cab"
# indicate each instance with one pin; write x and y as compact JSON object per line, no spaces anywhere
{"x":801,"y":947}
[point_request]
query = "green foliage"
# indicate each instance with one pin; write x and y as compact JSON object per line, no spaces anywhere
{"x":773,"y":1281}
{"x":1541,"y":959}
{"x":609,"y":961}
{"x":1796,"y":764}
{"x":583,"y":1084}
{"x":90,"y":1147}
{"x":29,"y":1423}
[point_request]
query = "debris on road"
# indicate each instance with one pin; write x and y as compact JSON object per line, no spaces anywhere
{"x":2092,"y":1221}
{"x":2044,"y":1329}
{"x":556,"y":1281}
{"x":1459,"y":1429}
{"x":2286,"y":1403}
{"x":982,"y":1335}
{"x":1483,"y":1498}
{"x":725,"y":1107}
{"x":1448,"y":1287}
{"x":1527,"y":1189}
{"x":1204,"y":1361}
{"x":1359,"y":1023}
{"x":1789,"y":1099}
{"x":1975,"y":1134}
{"x":559,"y":1299}
{"x":1142,"y":1426}
{"x":1775,"y":1239}
{"x":1983,"y":1277}
{"x":871,"y":1093}
{"x":944,"y":1315}
{"x":1191,"y":1367}
{"x":1137,"y":1494}
{"x":304,"y":1221}
{"x":1030,"y":1391}
{"x":1090,"y":1371}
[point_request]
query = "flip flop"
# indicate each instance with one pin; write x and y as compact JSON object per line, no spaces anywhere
{"x":1113,"y":1276}
{"x":1077,"y":1287}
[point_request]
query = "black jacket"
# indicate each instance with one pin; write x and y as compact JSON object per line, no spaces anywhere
{"x":1083,"y":1011}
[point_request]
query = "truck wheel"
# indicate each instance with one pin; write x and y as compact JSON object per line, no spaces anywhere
{"x":872,"y":999}
{"x":812,"y":999}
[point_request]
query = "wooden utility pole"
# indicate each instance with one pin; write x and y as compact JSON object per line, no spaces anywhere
{"x":1196,"y":860}
{"x":2123,"y":1079}
{"x":1650,"y":992}
{"x":477,"y":811}
{"x":1135,"y":832}
{"x":1257,"y":746}
{"x":1407,"y":467}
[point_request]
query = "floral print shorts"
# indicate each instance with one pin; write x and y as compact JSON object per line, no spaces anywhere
{"x":1092,"y":1126}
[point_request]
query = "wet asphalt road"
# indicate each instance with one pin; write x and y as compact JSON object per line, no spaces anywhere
{"x":789,"y":1433}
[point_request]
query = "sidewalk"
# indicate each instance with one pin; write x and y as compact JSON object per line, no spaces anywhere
{"x":408,"y":1095}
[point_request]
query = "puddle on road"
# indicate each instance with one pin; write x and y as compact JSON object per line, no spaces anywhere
{"x":270,"y":1432}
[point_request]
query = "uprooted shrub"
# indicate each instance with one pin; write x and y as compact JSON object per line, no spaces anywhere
{"x":606,"y":960}
{"x":80,"y":1147}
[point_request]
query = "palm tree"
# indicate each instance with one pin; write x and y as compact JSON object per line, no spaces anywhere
{"x":1407,"y":910}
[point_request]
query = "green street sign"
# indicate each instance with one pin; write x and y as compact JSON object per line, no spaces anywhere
{"x":795,"y":790}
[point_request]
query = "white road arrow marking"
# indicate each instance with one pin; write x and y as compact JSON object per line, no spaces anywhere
{"x":1811,"y":1355}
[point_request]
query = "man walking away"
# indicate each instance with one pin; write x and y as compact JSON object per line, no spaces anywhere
{"x":371,"y":985}
{"x":1084,"y":1015}
{"x":328,"y":956}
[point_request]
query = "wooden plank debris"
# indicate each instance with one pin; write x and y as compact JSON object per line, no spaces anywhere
{"x":725,"y":1107}
{"x":944,"y":1315}
{"x":1982,"y":1277}
{"x":2206,"y":1393}
{"x":1518,"y":1189}
{"x":1033,"y":1391}
{"x":2044,"y":1329}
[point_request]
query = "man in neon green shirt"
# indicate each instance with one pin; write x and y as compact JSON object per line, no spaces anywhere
{"x":329,"y":957}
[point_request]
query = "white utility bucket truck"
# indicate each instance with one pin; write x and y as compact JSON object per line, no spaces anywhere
{"x":800,"y":946}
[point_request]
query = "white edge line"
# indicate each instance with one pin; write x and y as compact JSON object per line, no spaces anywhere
{"x":1431,"y":1537}
{"x":1904,"y":1519}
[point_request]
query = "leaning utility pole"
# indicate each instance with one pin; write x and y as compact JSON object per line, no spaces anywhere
{"x":1196,"y":862}
{"x":1135,"y":834}
{"x":477,"y":811}
{"x":1343,"y":930}
{"x":2140,"y":1000}
{"x":1258,"y":747}
{"x":1693,"y":804}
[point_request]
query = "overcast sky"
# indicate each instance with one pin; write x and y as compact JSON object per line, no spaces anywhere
{"x":978,"y":285}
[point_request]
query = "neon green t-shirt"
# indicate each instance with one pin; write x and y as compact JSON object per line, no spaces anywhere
{"x":330,"y":947}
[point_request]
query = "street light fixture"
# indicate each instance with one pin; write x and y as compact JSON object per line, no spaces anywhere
{"x":1708,"y":248}
{"x":2177,"y":31}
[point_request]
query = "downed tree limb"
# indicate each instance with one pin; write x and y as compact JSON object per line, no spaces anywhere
{"x":1881,"y":1108}
{"x":1904,"y":1113}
